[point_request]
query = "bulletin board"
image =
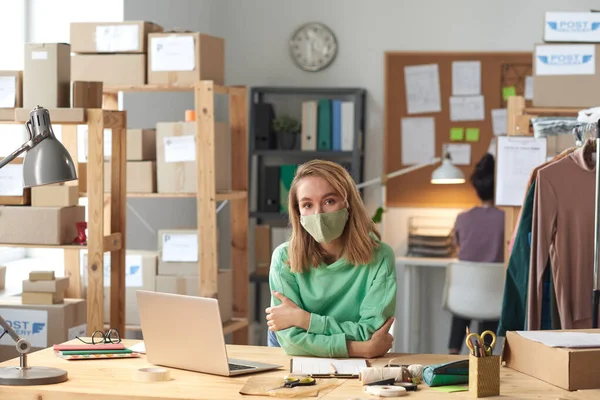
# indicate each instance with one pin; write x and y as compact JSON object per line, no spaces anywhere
{"x":502,"y":74}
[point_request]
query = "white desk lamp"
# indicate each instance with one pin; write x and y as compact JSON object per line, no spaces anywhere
{"x":46,"y":161}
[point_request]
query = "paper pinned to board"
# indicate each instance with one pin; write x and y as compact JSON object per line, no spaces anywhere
{"x":418,"y":140}
{"x":180,"y":148}
{"x":460,"y":154}
{"x":499,"y":121}
{"x":529,"y":87}
{"x":172,"y":53}
{"x":563,"y":339}
{"x":422,"y":84}
{"x":322,"y":366}
{"x":11,"y":180}
{"x":466,"y":78}
{"x":517,"y":157}
{"x":180,"y":247}
{"x":117,"y":38}
{"x":8,"y":91}
{"x":467,"y":108}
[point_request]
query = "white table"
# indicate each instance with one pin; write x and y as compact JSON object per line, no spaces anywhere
{"x":410,"y":303}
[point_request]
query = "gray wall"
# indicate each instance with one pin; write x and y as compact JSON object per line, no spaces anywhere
{"x":256,"y":34}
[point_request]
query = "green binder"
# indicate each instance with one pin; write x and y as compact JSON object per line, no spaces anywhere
{"x":286,"y":175}
{"x":324,"y":125}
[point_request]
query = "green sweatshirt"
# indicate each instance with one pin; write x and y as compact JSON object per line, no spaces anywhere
{"x":346,"y":302}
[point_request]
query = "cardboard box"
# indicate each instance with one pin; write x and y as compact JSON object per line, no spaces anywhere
{"x":141,"y":144}
{"x":566,"y":75}
{"x":111,"y":37}
{"x":11,"y":80}
{"x":190,"y":286}
{"x":12,"y":192}
{"x":39,"y":225}
{"x":572,"y":27}
{"x":141,"y":177}
{"x":110,"y":69}
{"x":42,"y":325}
{"x":57,"y":115}
{"x":570,"y":369}
{"x":86,"y":95}
{"x":47,"y":75}
{"x":176,"y":155}
{"x":178,"y":245}
{"x":42,"y":298}
{"x":7,"y":114}
{"x":55,"y":196}
{"x":184,"y":58}
{"x":2,"y":277}
{"x":177,"y":268}
{"x":53,"y":286}
{"x":140,"y":274}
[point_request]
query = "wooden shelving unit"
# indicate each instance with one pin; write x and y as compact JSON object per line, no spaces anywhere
{"x":99,"y":242}
{"x":207,"y":196}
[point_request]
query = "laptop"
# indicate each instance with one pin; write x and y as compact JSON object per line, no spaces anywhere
{"x":186,"y":332}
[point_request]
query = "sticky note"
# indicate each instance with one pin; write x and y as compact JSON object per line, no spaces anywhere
{"x":457,"y":134}
{"x":508,"y":91}
{"x":472,"y":134}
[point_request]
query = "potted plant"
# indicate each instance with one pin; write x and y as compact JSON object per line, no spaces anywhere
{"x":287,"y":129}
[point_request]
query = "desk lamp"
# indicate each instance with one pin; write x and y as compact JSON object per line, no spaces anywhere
{"x":47,"y":161}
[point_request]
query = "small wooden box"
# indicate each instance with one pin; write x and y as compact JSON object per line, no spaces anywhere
{"x":484,"y":376}
{"x":86,"y":94}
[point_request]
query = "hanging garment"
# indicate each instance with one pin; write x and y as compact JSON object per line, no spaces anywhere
{"x":563,"y":217}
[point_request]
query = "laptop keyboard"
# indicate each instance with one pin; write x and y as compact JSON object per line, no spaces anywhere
{"x":237,"y":367}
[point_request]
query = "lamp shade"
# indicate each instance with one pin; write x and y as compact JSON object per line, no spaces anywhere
{"x":48,"y":162}
{"x":447,"y":174}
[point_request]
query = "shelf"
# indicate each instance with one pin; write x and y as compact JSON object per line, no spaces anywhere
{"x":160,"y":88}
{"x":222,"y":196}
{"x":307,"y":90}
{"x":542,"y":110}
{"x":304,"y":153}
{"x":111,"y":243}
{"x":228,"y":327}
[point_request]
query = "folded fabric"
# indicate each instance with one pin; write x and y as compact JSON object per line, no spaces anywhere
{"x":451,"y":373}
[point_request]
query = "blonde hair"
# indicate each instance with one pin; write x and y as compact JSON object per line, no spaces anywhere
{"x":360,"y":234}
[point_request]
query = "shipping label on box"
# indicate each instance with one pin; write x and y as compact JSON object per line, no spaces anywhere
{"x":10,"y":89}
{"x":180,"y":148}
{"x":11,"y":180}
{"x":117,"y":38}
{"x":573,"y":59}
{"x":29,"y":324}
{"x":172,"y":53}
{"x":572,"y":27}
{"x":179,"y":247}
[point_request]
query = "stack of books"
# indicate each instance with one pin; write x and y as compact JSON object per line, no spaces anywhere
{"x":43,"y":288}
{"x":93,"y":351}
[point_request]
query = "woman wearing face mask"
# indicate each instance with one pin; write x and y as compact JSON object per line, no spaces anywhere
{"x":334,"y":281}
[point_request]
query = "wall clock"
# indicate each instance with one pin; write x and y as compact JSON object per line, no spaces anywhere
{"x":313,"y":47}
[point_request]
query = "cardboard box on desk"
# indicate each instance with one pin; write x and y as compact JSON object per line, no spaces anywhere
{"x":572,"y":27}
{"x":570,"y":369}
{"x":176,"y":157}
{"x":12,"y":192}
{"x":111,"y":37}
{"x":39,"y":225}
{"x":189,"y":286}
{"x":110,"y":69}
{"x":42,"y":325}
{"x":566,"y":75}
{"x":140,"y":274}
{"x":185,"y":58}
{"x":141,"y":177}
{"x":47,"y":75}
{"x":12,"y":85}
{"x":57,"y":195}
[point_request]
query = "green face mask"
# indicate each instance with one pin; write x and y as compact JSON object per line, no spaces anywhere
{"x":325,"y":227}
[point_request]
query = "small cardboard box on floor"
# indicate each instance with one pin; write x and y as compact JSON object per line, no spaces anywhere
{"x":566,"y":75}
{"x":567,"y":368}
{"x":140,"y":274}
{"x":42,"y":325}
{"x":176,"y":157}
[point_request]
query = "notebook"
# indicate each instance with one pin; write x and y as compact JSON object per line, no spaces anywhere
{"x":325,"y":367}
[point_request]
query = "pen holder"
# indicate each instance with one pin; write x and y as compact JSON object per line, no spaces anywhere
{"x":484,"y":376}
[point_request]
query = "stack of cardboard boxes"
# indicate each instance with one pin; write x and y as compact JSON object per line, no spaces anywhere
{"x":114,"y":53}
{"x":178,"y":269}
{"x":566,"y":66}
{"x":43,"y":288}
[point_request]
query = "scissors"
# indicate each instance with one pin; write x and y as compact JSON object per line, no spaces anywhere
{"x":480,"y":340}
{"x":291,"y":381}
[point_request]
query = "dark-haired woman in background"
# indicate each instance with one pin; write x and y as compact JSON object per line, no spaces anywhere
{"x":479,"y":236}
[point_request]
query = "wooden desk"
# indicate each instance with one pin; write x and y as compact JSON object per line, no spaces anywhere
{"x":112,"y":380}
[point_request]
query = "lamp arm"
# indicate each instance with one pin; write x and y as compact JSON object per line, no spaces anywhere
{"x":7,"y":328}
{"x":394,"y":174}
{"x":25,"y":147}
